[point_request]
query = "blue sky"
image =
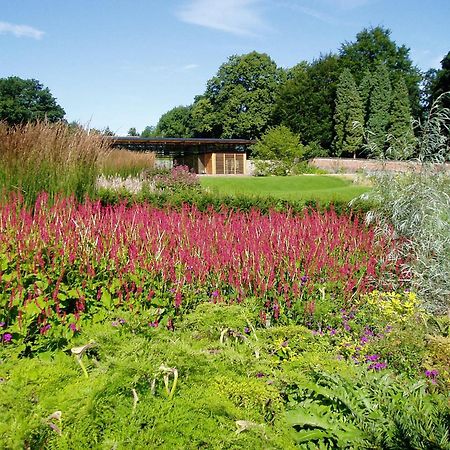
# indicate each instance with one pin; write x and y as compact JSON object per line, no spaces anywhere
{"x":122,"y":63}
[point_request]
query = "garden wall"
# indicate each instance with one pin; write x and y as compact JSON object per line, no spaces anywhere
{"x":348,"y":165}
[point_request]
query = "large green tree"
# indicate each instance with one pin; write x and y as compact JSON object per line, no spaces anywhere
{"x":305,"y":103}
{"x":175,"y":123}
{"x":374,"y":47}
{"x":441,"y":82}
{"x":379,"y":112}
{"x":27,"y":100}
{"x":239,"y":100}
{"x":400,"y":133}
{"x":348,"y":117}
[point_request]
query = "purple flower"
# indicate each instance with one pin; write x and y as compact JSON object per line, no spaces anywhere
{"x":247,"y":330}
{"x":332,"y":331}
{"x":285,"y":344}
{"x":73,"y":327}
{"x":304,"y":279}
{"x":7,"y":337}
{"x":372,"y":357}
{"x":364,"y":340}
{"x":215,"y":293}
{"x":378,"y":366}
{"x":122,"y":321}
{"x":432,"y":374}
{"x":2,"y":324}
{"x":260,"y":375}
{"x":115,"y":323}
{"x":45,"y":328}
{"x":153,"y":324}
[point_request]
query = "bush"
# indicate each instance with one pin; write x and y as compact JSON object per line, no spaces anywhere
{"x":51,"y":158}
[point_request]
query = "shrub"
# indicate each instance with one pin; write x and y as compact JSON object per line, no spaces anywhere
{"x":52,"y":158}
{"x":280,"y":152}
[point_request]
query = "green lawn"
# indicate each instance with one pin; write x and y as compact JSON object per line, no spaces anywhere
{"x":302,"y":187}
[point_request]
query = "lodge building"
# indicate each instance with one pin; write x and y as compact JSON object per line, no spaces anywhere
{"x":201,"y":155}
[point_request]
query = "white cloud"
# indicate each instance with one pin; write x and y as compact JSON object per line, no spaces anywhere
{"x":240,"y":17}
{"x":20,"y":30}
{"x":189,"y":67}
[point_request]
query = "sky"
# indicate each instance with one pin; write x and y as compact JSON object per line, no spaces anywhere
{"x":123,"y":63}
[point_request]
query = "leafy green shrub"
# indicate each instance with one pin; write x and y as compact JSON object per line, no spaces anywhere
{"x":280,"y":152}
{"x":367,"y":411}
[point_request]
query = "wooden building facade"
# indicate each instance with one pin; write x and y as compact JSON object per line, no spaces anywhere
{"x":203,"y":156}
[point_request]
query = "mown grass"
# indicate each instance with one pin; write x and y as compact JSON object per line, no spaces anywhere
{"x":301,"y":187}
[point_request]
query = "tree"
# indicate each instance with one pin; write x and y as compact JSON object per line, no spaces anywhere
{"x":239,"y":100}
{"x":149,"y":131}
{"x":175,"y":123}
{"x":441,"y":82}
{"x":348,"y":116}
{"x":133,"y":132}
{"x":379,"y":111}
{"x":305,"y":103}
{"x":27,"y":101}
{"x":204,"y":120}
{"x":374,"y":47}
{"x":108,"y":132}
{"x":365,"y":91}
{"x":401,"y":135}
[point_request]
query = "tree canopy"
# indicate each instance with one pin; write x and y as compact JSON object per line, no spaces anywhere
{"x":374,"y":47}
{"x":305,"y":103}
{"x":27,"y":101}
{"x":239,"y":100}
{"x":175,"y":123}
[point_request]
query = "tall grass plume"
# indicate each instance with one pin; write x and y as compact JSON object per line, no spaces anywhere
{"x":52,"y":158}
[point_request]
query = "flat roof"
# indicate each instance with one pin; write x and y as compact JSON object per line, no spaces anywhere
{"x":181,"y":146}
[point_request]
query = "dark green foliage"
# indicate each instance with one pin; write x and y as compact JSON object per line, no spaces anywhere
{"x":132,"y":132}
{"x":348,"y":117}
{"x":27,"y":101}
{"x":238,"y":101}
{"x":306,"y":101}
{"x":365,"y":91}
{"x":379,"y":112}
{"x":441,"y":82}
{"x":149,"y":131}
{"x":175,"y":123}
{"x":374,"y":46}
{"x":401,"y":135}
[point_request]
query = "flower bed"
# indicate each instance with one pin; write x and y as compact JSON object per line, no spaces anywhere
{"x":61,"y":262}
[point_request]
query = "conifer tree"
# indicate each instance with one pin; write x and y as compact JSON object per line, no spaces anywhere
{"x":379,"y":112}
{"x":365,"y":91}
{"x":348,"y":116}
{"x":401,"y":135}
